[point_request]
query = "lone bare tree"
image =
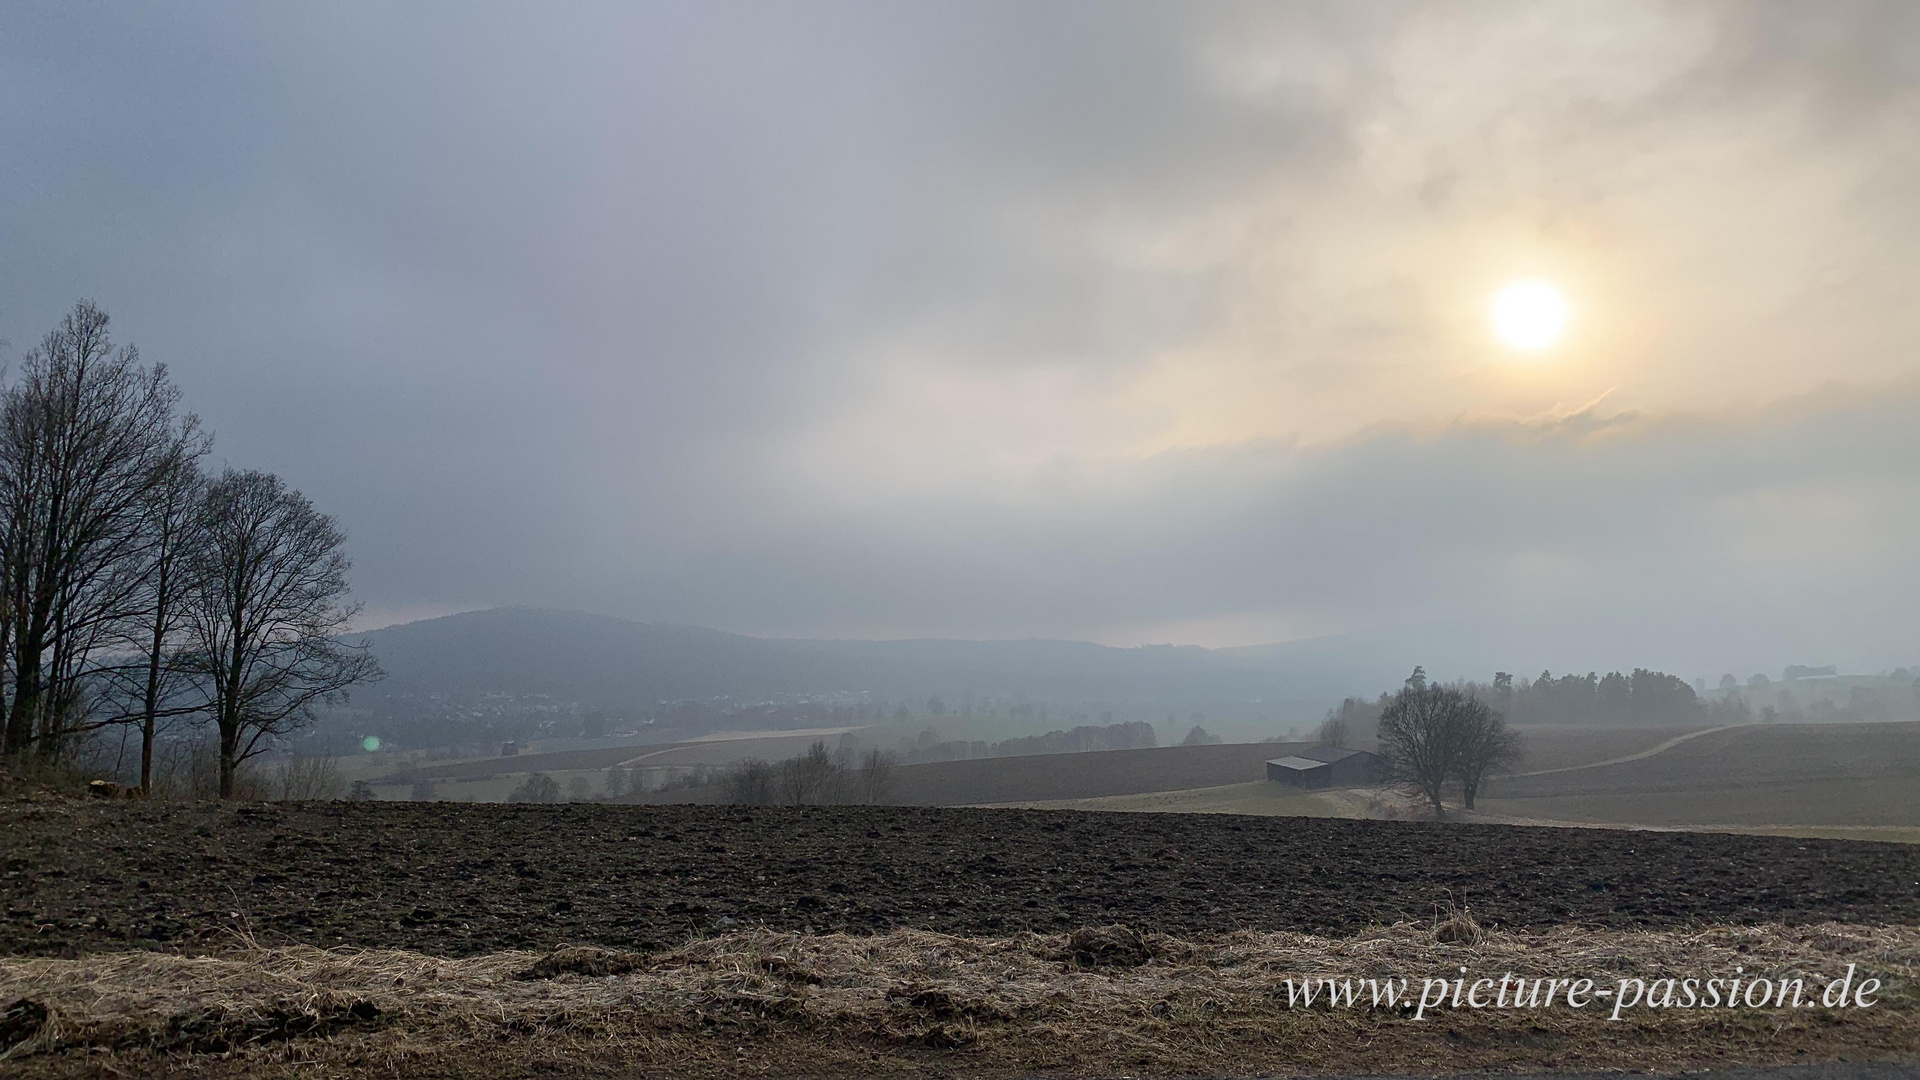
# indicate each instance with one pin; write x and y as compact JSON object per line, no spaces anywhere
{"x":1418,"y":738}
{"x":265,"y":609}
{"x":1431,"y":735}
{"x":810,"y":778}
{"x":87,"y":435}
{"x":1487,"y":746}
{"x":875,"y":778}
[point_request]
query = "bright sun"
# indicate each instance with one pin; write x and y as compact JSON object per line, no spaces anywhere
{"x":1529,"y":315}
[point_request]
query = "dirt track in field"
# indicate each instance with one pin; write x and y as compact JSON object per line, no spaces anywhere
{"x":459,"y":879}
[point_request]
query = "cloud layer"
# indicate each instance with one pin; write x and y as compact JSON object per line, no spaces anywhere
{"x":1135,"y":322}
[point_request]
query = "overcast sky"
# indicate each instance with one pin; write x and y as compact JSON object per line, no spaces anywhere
{"x":1136,"y":323}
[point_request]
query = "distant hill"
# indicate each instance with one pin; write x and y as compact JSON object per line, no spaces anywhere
{"x":576,"y":656}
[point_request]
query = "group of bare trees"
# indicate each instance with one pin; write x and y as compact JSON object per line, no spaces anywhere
{"x":1434,"y":736}
{"x":136,"y":588}
{"x":816,"y":777}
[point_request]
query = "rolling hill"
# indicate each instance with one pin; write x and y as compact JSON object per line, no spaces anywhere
{"x":580,"y":657}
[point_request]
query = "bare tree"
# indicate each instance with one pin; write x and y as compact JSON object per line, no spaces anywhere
{"x":1432,"y":735}
{"x":170,"y":523}
{"x":750,"y":783}
{"x":875,"y":777}
{"x":266,"y":606}
{"x":616,"y":782}
{"x":1200,"y":736}
{"x":1333,"y":730}
{"x":1419,"y":738}
{"x":809,"y":778}
{"x":1486,"y":747}
{"x":147,"y":687}
{"x":87,"y":436}
{"x":303,"y":778}
{"x":538,"y":787}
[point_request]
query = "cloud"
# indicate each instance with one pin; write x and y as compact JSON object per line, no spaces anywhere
{"x":1706,"y":538}
{"x":1136,"y":319}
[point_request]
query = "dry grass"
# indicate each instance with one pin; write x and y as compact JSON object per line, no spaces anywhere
{"x":1459,"y":928}
{"x":1101,"y":1000}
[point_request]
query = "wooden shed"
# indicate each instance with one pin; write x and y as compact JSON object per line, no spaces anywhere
{"x":1327,"y":766}
{"x":1300,"y":772}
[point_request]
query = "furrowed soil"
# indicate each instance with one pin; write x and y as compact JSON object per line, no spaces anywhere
{"x":475,"y":940}
{"x":465,"y":879}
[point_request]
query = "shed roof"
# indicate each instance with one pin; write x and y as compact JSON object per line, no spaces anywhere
{"x":1330,"y":754}
{"x":1299,"y":763}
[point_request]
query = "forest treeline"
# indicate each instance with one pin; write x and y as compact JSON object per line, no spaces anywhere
{"x":140,"y":592}
{"x":1643,"y":697}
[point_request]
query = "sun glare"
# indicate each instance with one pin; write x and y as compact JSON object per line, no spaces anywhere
{"x":1529,"y":315}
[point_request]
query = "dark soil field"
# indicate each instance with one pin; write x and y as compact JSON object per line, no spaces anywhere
{"x":728,"y":751}
{"x":1560,"y":746}
{"x":1799,"y":774}
{"x":604,"y":757}
{"x":1742,"y":757}
{"x":1043,"y":777}
{"x":1040,"y":777}
{"x":696,"y":752}
{"x":461,"y":879}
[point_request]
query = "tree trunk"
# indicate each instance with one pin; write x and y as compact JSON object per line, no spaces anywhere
{"x":26,"y":696}
{"x":150,"y":707}
{"x":229,"y":747}
{"x":232,"y":680}
{"x":55,"y":692}
{"x":146,"y":756}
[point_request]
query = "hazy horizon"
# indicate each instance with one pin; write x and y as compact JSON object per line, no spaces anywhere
{"x":1385,"y":656}
{"x":1120,"y":323}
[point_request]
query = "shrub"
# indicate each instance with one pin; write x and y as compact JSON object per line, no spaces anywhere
{"x":309,"y":778}
{"x":538,"y":788}
{"x":810,"y":778}
{"x":750,"y":783}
